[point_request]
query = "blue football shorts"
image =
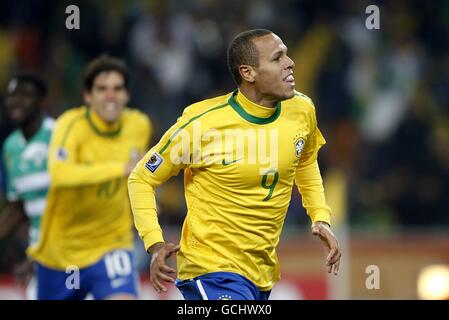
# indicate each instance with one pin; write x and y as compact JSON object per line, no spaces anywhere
{"x":115,"y":273}
{"x":220,"y":286}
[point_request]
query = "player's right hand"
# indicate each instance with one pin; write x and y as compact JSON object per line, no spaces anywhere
{"x":159,"y":270}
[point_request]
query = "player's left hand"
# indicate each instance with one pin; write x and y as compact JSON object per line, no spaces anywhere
{"x":324,"y":232}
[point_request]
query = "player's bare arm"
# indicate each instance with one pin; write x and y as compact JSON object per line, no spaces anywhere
{"x":159,"y":270}
{"x":324,"y":232}
{"x":11,"y":217}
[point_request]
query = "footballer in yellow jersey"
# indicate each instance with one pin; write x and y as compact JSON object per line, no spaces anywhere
{"x":241,"y":154}
{"x":87,"y":225}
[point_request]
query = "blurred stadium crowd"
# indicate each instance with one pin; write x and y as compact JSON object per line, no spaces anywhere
{"x":382,"y":96}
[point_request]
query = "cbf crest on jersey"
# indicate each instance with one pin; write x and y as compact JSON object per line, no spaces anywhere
{"x":61,"y":154}
{"x":299,"y":145}
{"x":154,"y":162}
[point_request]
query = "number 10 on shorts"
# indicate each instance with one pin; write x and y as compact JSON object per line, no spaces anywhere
{"x":118,"y":264}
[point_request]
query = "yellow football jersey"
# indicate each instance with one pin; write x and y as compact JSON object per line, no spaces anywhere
{"x":88,"y":212}
{"x":240,"y":161}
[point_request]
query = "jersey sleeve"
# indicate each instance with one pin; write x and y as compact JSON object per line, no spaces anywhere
{"x":308,"y":177}
{"x":170,"y":155}
{"x":65,"y":170}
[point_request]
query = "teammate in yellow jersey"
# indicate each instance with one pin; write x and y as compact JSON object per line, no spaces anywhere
{"x":86,"y":239}
{"x":241,"y":154}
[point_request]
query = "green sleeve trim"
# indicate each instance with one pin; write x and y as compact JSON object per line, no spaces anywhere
{"x":69,"y":128}
{"x":299,"y":94}
{"x":186,"y":124}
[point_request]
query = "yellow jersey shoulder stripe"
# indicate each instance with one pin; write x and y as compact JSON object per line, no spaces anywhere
{"x":72,"y":117}
{"x":302,"y":95}
{"x":189,"y":122}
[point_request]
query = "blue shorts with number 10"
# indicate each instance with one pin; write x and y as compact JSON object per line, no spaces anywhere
{"x":115,"y":273}
{"x":220,"y":286}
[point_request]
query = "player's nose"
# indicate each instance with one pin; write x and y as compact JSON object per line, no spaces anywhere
{"x":290,"y":63}
{"x":110,"y":94}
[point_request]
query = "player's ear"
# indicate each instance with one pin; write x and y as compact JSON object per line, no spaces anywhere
{"x":87,"y":97}
{"x":126,"y":97}
{"x":247,"y":73}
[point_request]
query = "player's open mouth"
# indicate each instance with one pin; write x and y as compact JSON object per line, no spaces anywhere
{"x":290,"y":79}
{"x":111,"y":106}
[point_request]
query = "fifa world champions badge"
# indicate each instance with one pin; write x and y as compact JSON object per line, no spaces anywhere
{"x":154,"y":162}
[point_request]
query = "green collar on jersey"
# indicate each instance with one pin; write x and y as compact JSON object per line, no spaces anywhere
{"x":249,"y":117}
{"x":97,"y":130}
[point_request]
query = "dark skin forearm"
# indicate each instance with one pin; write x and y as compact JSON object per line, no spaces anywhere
{"x":11,"y":216}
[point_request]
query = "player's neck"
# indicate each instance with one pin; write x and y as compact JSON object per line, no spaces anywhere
{"x":252,"y":108}
{"x":32,"y":127}
{"x":257,"y":98}
{"x":101,"y":125}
